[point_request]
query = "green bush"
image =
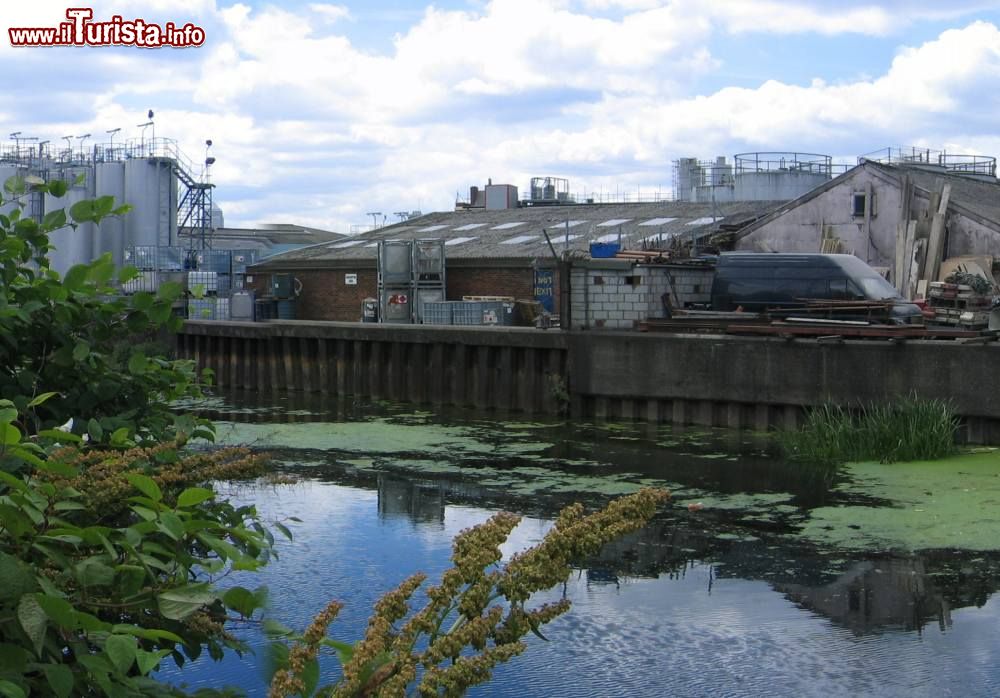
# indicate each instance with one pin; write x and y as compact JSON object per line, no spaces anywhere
{"x":75,"y":337}
{"x":907,"y":429}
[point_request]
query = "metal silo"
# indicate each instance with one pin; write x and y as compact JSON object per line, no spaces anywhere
{"x":151,"y":190}
{"x":71,"y":246}
{"x":110,"y":235}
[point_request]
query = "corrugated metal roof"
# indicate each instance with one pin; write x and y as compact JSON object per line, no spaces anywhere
{"x":493,"y":228}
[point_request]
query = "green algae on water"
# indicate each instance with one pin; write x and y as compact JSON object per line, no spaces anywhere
{"x":951,"y":503}
{"x":376,"y":436}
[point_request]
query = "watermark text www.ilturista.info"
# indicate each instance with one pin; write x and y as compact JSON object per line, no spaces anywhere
{"x":81,"y":30}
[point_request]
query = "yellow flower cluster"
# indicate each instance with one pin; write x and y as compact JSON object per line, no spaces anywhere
{"x":447,"y":661}
{"x":289,"y":681}
{"x":102,"y":474}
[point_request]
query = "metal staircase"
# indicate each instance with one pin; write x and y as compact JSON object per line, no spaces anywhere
{"x":194,"y":210}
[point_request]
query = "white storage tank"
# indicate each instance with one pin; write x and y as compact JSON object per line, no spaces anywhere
{"x":109,"y":236}
{"x":151,"y":190}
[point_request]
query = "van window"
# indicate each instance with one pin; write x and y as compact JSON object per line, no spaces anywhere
{"x":844,"y":290}
{"x":876,"y":288}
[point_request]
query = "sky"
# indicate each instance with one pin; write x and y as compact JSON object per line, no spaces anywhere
{"x":322,"y":113}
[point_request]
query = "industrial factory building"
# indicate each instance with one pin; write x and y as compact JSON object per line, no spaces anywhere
{"x":170,"y":196}
{"x":499,"y":244}
{"x":510,"y":252}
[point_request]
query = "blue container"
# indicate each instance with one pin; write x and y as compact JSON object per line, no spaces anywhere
{"x":603,"y":250}
{"x":286,"y":309}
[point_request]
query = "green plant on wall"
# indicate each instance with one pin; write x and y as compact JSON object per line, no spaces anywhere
{"x":558,"y":390}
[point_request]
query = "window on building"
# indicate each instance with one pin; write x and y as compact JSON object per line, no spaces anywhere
{"x":858,"y":203}
{"x":633,"y":280}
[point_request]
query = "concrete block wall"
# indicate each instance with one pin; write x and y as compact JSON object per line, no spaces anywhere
{"x":617,"y":297}
{"x":692,"y":286}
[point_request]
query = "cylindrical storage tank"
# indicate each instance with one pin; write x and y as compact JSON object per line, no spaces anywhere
{"x":777,"y":186}
{"x":151,"y":190}
{"x":109,"y":236}
{"x":72,"y":246}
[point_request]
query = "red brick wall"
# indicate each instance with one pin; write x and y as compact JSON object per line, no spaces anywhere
{"x":325,"y":296}
{"x":467,"y":281}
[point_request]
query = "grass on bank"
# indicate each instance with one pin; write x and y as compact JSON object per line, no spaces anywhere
{"x":907,"y":429}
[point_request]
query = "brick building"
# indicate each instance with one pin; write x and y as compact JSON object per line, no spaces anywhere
{"x":512,"y":251}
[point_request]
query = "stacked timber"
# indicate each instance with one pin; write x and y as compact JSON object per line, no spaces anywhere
{"x":649,"y":256}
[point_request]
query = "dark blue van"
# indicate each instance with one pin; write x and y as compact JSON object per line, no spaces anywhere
{"x":757,"y":282}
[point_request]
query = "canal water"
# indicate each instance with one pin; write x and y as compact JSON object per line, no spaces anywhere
{"x":760,"y":578}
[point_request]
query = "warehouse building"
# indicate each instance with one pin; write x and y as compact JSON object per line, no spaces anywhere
{"x":510,"y":252}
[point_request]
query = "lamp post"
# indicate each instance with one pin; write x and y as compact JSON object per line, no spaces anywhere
{"x":209,"y":161}
{"x":111,"y":145}
{"x":142,"y":135}
{"x":82,"y":139}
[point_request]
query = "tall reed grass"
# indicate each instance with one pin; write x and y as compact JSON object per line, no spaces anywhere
{"x":907,"y":429}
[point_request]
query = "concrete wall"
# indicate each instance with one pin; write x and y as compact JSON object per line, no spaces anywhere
{"x":750,"y":381}
{"x":801,"y":229}
{"x":739,"y":382}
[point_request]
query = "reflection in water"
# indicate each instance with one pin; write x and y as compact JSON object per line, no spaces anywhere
{"x":422,"y":502}
{"x":870,"y":595}
{"x":722,"y":601}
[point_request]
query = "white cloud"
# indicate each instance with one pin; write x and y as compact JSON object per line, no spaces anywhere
{"x":310,"y":128}
{"x":329,"y":12}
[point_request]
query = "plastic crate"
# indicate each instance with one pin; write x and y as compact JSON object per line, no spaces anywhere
{"x":206,"y":281}
{"x":478,"y":313}
{"x":437,"y":312}
{"x":145,"y":281}
{"x":215,"y":260}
